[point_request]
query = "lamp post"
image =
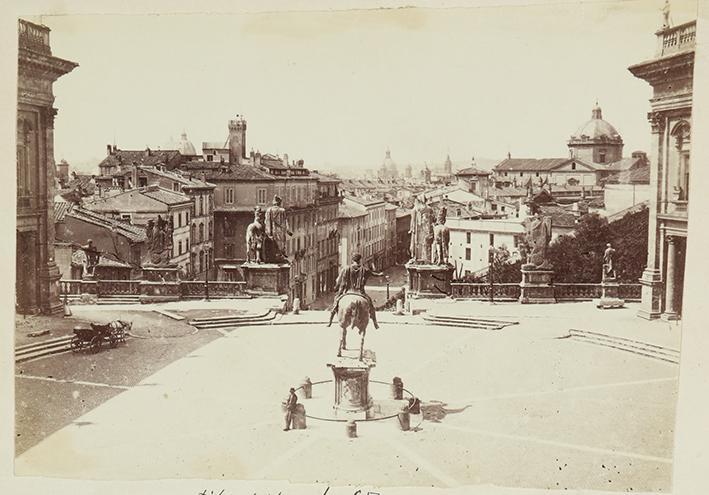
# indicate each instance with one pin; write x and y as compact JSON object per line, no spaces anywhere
{"x":206,"y":276}
{"x":490,"y":259}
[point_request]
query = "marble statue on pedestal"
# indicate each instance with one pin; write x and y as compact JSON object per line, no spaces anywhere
{"x":608,"y":263}
{"x":421,"y":230}
{"x":159,"y":235}
{"x":538,"y":237}
{"x":276,"y":229}
{"x":255,"y":235}
{"x":441,"y":239}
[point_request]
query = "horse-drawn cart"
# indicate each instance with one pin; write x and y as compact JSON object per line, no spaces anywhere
{"x":93,"y":337}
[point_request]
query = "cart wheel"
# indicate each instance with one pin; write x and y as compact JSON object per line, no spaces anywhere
{"x":96,"y":343}
{"x":75,"y":344}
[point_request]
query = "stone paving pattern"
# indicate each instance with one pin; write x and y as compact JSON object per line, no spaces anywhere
{"x":527,"y":409}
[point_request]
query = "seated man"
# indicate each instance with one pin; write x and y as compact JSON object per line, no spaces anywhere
{"x":353,"y":278}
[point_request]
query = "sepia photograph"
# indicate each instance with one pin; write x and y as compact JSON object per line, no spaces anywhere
{"x":355,"y":250}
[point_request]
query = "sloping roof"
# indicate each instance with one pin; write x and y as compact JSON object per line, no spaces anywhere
{"x":171,"y":158}
{"x":559,"y":216}
{"x":531,"y":164}
{"x":364,"y":201}
{"x":640,"y":175}
{"x":111,"y":263}
{"x":632,"y":209}
{"x":472,"y":171}
{"x":326,"y":179}
{"x":402,"y":212}
{"x":349,"y":209}
{"x":239,"y":172}
{"x":165,"y":195}
{"x":134,"y":200}
{"x":61,"y":208}
{"x":624,"y":164}
{"x":132,"y":232}
{"x":177,"y":177}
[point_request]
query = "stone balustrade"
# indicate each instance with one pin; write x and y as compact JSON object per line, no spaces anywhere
{"x":677,"y":38}
{"x":562,"y":291}
{"x":188,"y":289}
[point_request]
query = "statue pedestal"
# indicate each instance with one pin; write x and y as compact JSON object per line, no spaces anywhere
{"x":536,"y":286}
{"x":160,"y":284}
{"x":610,"y":290}
{"x":266,"y":278}
{"x":352,"y":400}
{"x":429,"y":281}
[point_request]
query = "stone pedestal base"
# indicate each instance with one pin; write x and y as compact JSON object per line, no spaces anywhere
{"x":168,"y":273}
{"x":610,"y":289}
{"x":266,"y":278}
{"x":429,"y":281}
{"x":536,"y":286}
{"x":651,"y":297}
{"x":352,"y":400}
{"x":153,"y":292}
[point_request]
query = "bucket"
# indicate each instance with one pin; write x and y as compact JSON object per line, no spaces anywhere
{"x":351,"y":429}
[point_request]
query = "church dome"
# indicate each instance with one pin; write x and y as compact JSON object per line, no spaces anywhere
{"x":185,"y":147}
{"x":596,"y":128}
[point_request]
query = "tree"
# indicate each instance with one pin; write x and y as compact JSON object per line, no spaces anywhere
{"x":578,"y":258}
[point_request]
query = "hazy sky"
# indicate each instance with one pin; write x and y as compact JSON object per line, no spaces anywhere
{"x":338,"y":88}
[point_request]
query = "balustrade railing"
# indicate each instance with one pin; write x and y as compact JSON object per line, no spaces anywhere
{"x":196,"y":290}
{"x":70,"y":287}
{"x":118,"y":287}
{"x":562,"y":291}
{"x":500,"y":292}
{"x":577,"y":292}
{"x":677,"y":38}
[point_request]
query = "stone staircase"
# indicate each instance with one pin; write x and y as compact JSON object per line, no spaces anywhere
{"x":231,"y":321}
{"x":482,"y":323}
{"x":119,"y":299}
{"x":637,"y":347}
{"x":43,"y":348}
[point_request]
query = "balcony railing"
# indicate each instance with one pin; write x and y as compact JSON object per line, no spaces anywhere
{"x":677,"y":38}
{"x":34,"y":37}
{"x":577,"y":292}
{"x":188,"y":289}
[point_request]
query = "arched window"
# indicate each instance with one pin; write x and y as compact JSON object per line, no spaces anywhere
{"x":201,"y":261}
{"x":194,"y":233}
{"x":201,"y":232}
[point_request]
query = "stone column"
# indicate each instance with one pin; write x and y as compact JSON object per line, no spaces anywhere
{"x":651,"y":279}
{"x":49,"y":273}
{"x":670,"y":313}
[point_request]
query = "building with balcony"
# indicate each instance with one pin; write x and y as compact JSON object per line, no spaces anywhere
{"x":670,"y":73}
{"x":37,"y":275}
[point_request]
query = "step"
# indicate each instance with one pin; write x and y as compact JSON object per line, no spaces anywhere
{"x":210,"y":319}
{"x":43,"y":353}
{"x":41,"y":343}
{"x":54,"y":345}
{"x":232,"y":323}
{"x":621,"y":347}
{"x":476,"y":319}
{"x":628,"y":347}
{"x":598,"y":334}
{"x":465,"y":325}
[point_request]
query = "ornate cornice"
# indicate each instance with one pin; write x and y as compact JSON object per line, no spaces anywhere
{"x":38,"y":65}
{"x":657,"y":122}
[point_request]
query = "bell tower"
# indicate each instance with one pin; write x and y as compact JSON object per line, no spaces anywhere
{"x":237,"y":140}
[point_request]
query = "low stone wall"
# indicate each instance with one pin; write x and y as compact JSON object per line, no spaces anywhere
{"x":562,"y":292}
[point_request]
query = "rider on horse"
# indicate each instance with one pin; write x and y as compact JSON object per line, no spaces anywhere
{"x":353,"y":278}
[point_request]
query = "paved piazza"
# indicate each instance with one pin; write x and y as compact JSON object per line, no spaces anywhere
{"x":525,"y":408}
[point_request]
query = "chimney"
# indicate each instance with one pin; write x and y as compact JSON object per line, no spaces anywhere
{"x":300,"y":163}
{"x":203,"y":176}
{"x":108,"y":149}
{"x":285,"y":159}
{"x":509,"y":155}
{"x":115,"y":148}
{"x":147,"y":151}
{"x":134,"y":176}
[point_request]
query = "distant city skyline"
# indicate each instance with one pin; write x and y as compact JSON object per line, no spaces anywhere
{"x":339,"y":88}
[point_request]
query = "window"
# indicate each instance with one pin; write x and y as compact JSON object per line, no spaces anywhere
{"x":200,"y":208}
{"x":175,"y":187}
{"x":521,"y":174}
{"x":602,"y":156}
{"x":229,"y":196}
{"x":573,"y":166}
{"x":187,"y":217}
{"x":229,"y":250}
{"x":178,"y":219}
{"x":468,"y":236}
{"x":537,"y":174}
{"x":261,"y":196}
{"x":201,"y":232}
{"x":210,"y":227}
{"x":142,"y":181}
{"x":125,"y":216}
{"x":492,"y":239}
{"x":187,"y":245}
{"x":467,"y":254}
{"x":210,"y":158}
{"x":194,"y":232}
{"x":179,"y":248}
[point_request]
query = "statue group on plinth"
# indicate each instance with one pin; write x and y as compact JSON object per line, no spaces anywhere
{"x":429,"y":234}
{"x":536,"y":242}
{"x":610,"y":288}
{"x":159,"y":239}
{"x":266,"y":235}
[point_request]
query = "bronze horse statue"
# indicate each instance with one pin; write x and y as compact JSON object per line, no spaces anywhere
{"x":353,"y":312}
